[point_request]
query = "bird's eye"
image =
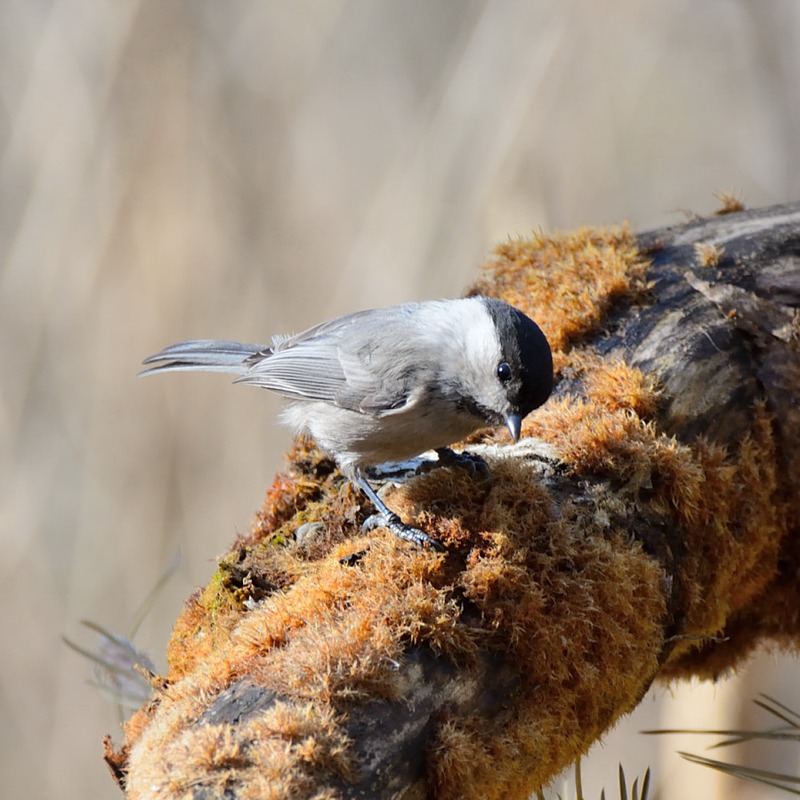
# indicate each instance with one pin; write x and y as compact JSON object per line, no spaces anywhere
{"x":504,"y":372}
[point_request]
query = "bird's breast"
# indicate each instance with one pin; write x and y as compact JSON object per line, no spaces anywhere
{"x":358,"y":440}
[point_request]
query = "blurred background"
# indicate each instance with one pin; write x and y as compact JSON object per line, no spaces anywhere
{"x":173,"y":169}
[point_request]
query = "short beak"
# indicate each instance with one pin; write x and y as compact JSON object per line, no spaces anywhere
{"x":514,"y":424}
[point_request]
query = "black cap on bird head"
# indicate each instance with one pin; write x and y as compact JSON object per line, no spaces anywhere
{"x":529,"y":379}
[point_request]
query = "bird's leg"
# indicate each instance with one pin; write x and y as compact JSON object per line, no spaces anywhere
{"x":392,"y":521}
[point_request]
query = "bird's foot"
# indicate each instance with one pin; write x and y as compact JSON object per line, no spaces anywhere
{"x":474,"y":464}
{"x":399,"y":528}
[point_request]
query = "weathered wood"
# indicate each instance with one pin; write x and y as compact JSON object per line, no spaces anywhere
{"x":650,"y":530}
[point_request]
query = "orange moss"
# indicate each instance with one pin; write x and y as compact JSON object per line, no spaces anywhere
{"x":208,"y":619}
{"x":293,"y":490}
{"x":337,"y":633}
{"x":572,"y":603}
{"x":614,"y":384}
{"x":281,"y":752}
{"x":567,"y":282}
{"x":726,"y":506}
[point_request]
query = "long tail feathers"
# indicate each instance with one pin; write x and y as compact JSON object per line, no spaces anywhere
{"x":210,"y":355}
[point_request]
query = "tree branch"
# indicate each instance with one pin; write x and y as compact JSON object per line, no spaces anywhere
{"x":646,"y":528}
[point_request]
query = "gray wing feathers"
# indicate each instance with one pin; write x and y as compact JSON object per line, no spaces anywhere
{"x":326,"y":362}
{"x":307,"y":371}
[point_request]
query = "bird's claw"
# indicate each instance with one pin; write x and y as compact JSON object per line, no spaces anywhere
{"x":474,"y":464}
{"x":399,"y":528}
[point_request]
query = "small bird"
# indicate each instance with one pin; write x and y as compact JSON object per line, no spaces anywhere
{"x":390,"y":383}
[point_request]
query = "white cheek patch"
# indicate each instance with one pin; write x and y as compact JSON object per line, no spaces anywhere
{"x":464,"y":332}
{"x":466,"y":329}
{"x":479,"y":354}
{"x":482,"y":344}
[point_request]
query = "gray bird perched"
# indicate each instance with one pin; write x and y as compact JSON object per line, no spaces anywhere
{"x":390,"y":383}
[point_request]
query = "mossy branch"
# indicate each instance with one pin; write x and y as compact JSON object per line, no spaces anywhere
{"x":646,"y":528}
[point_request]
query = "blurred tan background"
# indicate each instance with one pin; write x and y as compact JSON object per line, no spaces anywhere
{"x":206,"y":168}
